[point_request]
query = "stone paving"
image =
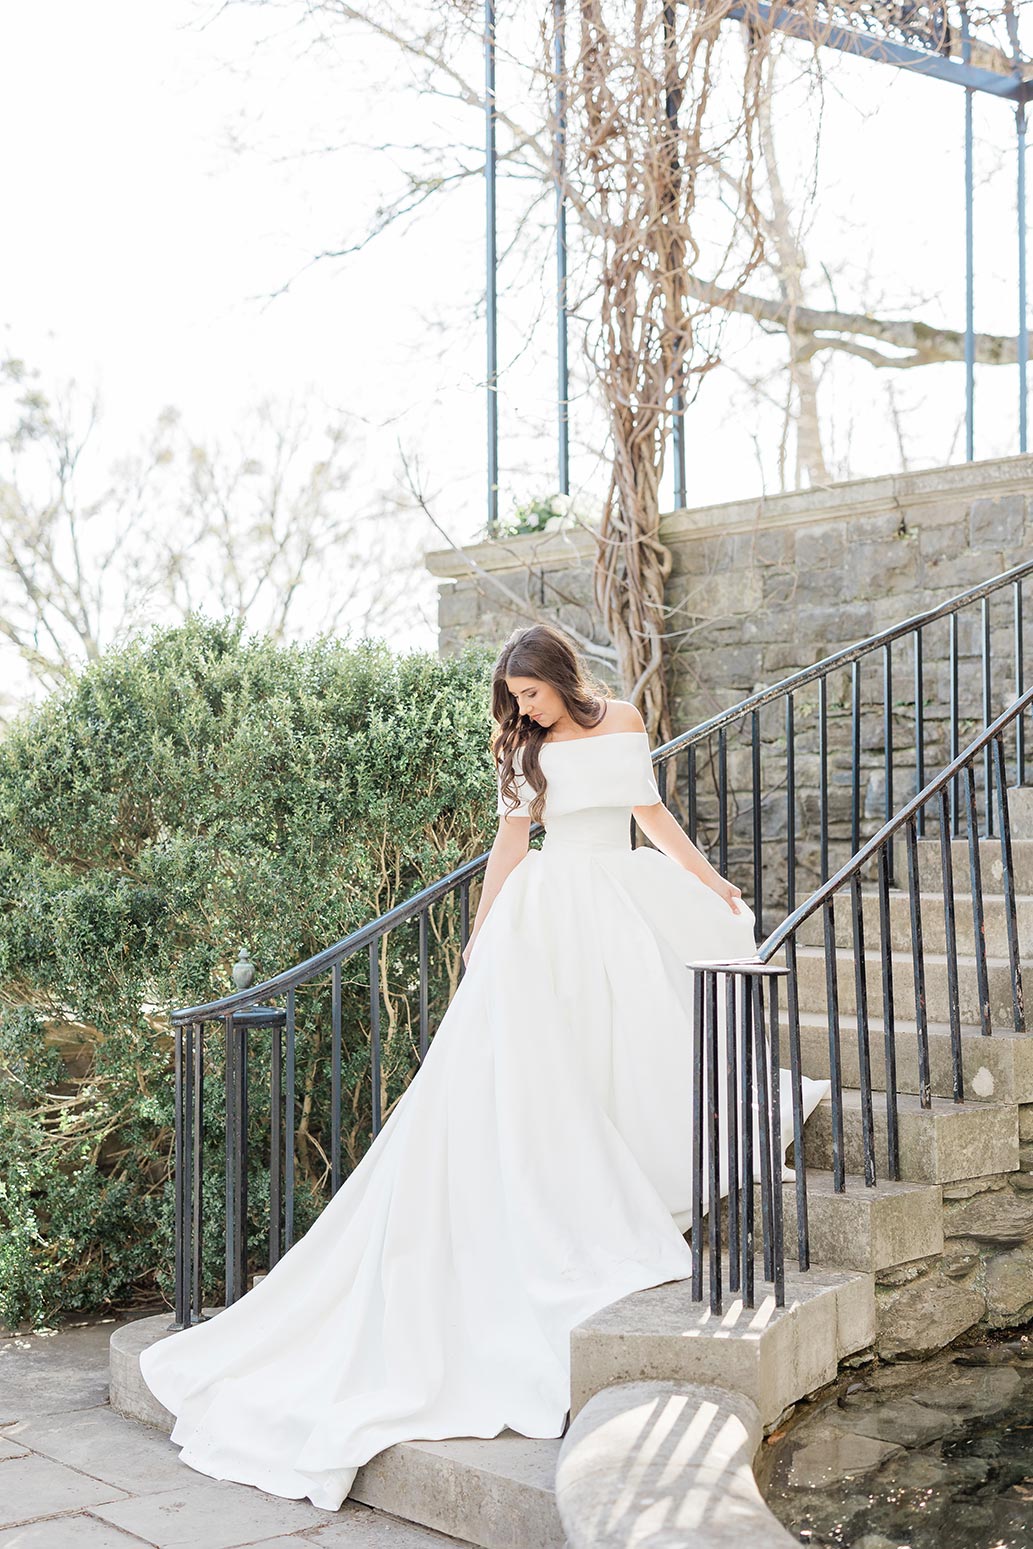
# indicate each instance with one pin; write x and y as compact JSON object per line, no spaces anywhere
{"x":75,"y":1475}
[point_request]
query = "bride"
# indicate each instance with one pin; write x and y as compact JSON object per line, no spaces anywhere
{"x":538,"y":1165}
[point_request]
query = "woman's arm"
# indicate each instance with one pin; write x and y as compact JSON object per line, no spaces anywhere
{"x":663,"y":829}
{"x":508,"y":851}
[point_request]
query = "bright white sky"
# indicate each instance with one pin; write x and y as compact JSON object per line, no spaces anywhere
{"x":161,"y":179}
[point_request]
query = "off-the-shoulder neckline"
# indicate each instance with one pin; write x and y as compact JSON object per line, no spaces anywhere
{"x":600,"y":737}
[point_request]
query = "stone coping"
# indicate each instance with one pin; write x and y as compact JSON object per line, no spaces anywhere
{"x":854,"y":497}
{"x":665,"y":1465}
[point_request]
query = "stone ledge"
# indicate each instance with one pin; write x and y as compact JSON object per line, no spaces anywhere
{"x":772,"y":1355}
{"x":887,"y":493}
{"x":128,"y":1393}
{"x":664,"y":1465}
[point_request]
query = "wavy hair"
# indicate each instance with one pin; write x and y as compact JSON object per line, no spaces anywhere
{"x":540,"y":651}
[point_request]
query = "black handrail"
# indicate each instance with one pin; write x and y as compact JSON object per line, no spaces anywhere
{"x":341,"y":950}
{"x":869,"y":850}
{"x":844,"y":658}
{"x":752,"y":1055}
{"x":955,"y":788}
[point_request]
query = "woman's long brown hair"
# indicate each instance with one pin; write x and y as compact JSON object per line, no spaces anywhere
{"x":540,"y":651}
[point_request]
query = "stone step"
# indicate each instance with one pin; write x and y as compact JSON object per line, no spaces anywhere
{"x":933,"y":913}
{"x":998,"y":1068}
{"x":944,"y":1143}
{"x":864,"y":1228}
{"x":773,"y":1355}
{"x":991,"y":871}
{"x":1020,"y":811}
{"x":811,"y":988}
{"x":497,"y":1492}
{"x":493,"y":1492}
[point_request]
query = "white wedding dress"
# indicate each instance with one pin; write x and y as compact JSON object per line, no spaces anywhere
{"x":536,"y":1168}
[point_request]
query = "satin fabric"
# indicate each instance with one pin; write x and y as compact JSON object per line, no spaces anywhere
{"x":536,"y":1169}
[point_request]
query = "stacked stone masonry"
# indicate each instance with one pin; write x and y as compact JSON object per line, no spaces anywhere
{"x":762,"y":588}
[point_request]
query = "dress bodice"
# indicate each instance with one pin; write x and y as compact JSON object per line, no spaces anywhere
{"x":612,"y":769}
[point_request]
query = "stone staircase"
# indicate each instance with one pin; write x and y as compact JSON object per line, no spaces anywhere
{"x":500,"y":1493}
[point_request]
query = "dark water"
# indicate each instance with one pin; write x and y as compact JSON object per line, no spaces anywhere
{"x":933,"y":1455}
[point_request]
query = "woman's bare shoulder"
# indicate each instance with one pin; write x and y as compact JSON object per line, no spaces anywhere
{"x":623,"y":716}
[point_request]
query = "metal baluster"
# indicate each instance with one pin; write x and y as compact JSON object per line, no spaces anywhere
{"x":919,"y":725}
{"x":464,"y":913}
{"x":950,"y":931}
{"x":231,"y":1143}
{"x":823,"y":775}
{"x":746,"y":1123}
{"x":976,"y":884}
{"x":777,"y":1221}
{"x":722,"y":799}
{"x":713,"y":1147}
{"x":954,"y":727}
{"x":661,"y":779}
{"x":242,"y":1180}
{"x":288,"y":1138}
{"x":790,"y":802}
{"x":188,"y":1158}
{"x":835,"y":1063}
{"x":918,"y":966}
{"x":1020,"y":688}
{"x":758,"y":853}
{"x":889,"y":1029}
{"x":697,"y":1136}
{"x":1008,"y":882}
{"x":690,"y":781}
{"x":864,"y":1062}
{"x":887,"y":736}
{"x":803,"y":1247}
{"x":374,"y":1029}
{"x":198,"y":1175}
{"x":424,"y":987}
{"x":275,"y":1139}
{"x":179,"y":1183}
{"x":855,"y":757}
{"x":764,"y":1128}
{"x":732,"y":1137}
{"x":335,"y":1079}
{"x":987,"y":716}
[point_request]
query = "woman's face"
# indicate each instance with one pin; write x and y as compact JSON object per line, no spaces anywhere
{"x":537,"y":700}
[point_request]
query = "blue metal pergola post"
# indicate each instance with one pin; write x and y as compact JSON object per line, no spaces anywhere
{"x":492,"y":264}
{"x":970,"y":282}
{"x":560,"y":160}
{"x":1021,"y":91}
{"x":1020,"y":127}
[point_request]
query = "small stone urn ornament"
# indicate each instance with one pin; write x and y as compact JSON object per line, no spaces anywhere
{"x":243,"y":970}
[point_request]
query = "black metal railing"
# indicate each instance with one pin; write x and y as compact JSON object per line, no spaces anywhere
{"x":745,"y":1051}
{"x":789,"y":810}
{"x":787,"y":782}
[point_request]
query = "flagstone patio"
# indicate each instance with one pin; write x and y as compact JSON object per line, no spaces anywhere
{"x":76,"y":1475}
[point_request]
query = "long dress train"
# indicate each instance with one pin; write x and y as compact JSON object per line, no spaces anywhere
{"x":536,"y":1168}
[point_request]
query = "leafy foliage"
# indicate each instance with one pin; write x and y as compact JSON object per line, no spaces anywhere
{"x":190,"y":792}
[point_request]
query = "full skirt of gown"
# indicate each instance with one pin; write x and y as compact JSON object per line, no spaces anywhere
{"x":537,"y":1168}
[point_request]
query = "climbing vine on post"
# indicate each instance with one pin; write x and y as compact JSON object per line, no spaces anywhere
{"x":650,"y":118}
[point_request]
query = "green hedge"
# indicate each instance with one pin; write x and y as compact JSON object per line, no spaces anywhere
{"x":194,"y":791}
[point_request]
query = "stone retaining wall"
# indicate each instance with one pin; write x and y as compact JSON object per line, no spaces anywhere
{"x":984,"y":1277}
{"x":765,"y":587}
